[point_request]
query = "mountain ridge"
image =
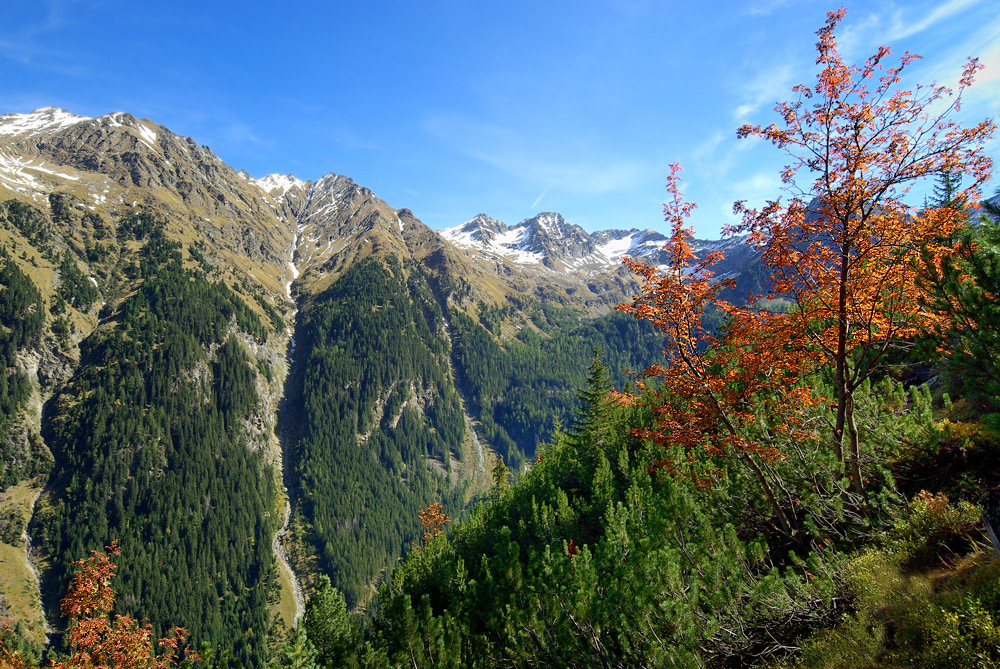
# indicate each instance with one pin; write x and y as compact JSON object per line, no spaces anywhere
{"x":112,"y":155}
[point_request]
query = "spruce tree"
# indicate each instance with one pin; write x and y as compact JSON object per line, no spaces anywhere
{"x":328,"y":624}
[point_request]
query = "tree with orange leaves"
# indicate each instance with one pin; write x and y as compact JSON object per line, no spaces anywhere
{"x":843,"y":251}
{"x":714,"y":395}
{"x":95,"y":640}
{"x":433,"y":520}
{"x":844,"y":248}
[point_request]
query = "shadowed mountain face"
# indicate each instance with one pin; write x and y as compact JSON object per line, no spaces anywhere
{"x":204,"y":344}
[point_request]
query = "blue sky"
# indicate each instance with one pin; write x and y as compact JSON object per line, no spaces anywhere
{"x":455,"y":107}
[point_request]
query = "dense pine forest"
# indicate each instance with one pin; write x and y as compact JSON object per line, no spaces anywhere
{"x":372,"y":402}
{"x":373,"y":397}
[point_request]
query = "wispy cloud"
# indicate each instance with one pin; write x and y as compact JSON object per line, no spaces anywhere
{"x":764,"y":90}
{"x":758,"y":188}
{"x":534,"y":160}
{"x":894,"y":24}
{"x":904,"y":23}
{"x":764,"y":7}
{"x":35,"y":44}
{"x":707,"y":149}
{"x":539,"y":198}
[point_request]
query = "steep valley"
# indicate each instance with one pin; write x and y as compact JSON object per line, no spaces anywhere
{"x":217,"y":371}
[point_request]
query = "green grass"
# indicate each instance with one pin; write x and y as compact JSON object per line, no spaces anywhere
{"x":285,"y":608}
{"x":18,"y":587}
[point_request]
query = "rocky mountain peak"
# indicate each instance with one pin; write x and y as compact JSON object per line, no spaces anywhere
{"x":39,"y":122}
{"x":557,"y":241}
{"x":482,"y":229}
{"x":282,"y":183}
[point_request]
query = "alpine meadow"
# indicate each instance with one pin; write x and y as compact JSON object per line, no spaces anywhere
{"x":280,"y":423}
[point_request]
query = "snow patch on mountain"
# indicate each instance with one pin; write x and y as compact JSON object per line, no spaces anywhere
{"x":16,"y":173}
{"x":550,"y":240}
{"x":615,"y":249}
{"x":147,"y":134}
{"x":493,"y":237}
{"x":46,"y":119}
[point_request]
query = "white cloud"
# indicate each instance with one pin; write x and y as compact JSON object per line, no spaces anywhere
{"x":764,"y":7}
{"x":758,"y":188}
{"x":707,"y":149}
{"x":860,"y":38}
{"x":904,"y":25}
{"x":539,"y":198}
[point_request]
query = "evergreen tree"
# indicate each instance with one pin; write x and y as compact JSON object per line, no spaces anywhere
{"x":328,"y":624}
{"x":297,"y":653}
{"x":592,"y":396}
{"x":964,"y":286}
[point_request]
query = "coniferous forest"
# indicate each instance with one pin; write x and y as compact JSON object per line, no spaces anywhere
{"x":149,"y":441}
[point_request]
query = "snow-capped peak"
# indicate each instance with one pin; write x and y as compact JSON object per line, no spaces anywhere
{"x":46,"y":119}
{"x":481,"y":230}
{"x":614,"y":244}
{"x":278,"y":182}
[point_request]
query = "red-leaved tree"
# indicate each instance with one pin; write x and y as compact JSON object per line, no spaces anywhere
{"x":715,"y":395}
{"x":843,"y":252}
{"x":844,"y":247}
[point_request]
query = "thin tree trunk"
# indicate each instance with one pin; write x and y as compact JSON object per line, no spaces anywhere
{"x":853,"y":442}
{"x":840,"y":392}
{"x":841,"y":381}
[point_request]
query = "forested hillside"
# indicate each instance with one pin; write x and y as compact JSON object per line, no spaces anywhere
{"x":377,"y":424}
{"x":21,"y":321}
{"x":150,"y":443}
{"x":788,"y":489}
{"x":523,"y":387}
{"x":370,"y":404}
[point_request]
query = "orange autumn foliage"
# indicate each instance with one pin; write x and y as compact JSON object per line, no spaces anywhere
{"x":713,"y":395}
{"x":96,"y":640}
{"x":843,"y":252}
{"x":433,"y":520}
{"x":844,"y":248}
{"x":716,"y":389}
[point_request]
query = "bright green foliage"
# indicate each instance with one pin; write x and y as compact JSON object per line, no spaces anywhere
{"x":591,"y":560}
{"x":328,"y":625}
{"x":965,"y":288}
{"x":151,"y":450}
{"x":298,"y":652}
{"x":372,"y":402}
{"x":915,"y":602}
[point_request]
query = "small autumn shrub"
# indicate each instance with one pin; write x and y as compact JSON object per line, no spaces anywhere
{"x":933,"y":527}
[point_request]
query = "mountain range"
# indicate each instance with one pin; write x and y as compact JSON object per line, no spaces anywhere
{"x":250,"y":382}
